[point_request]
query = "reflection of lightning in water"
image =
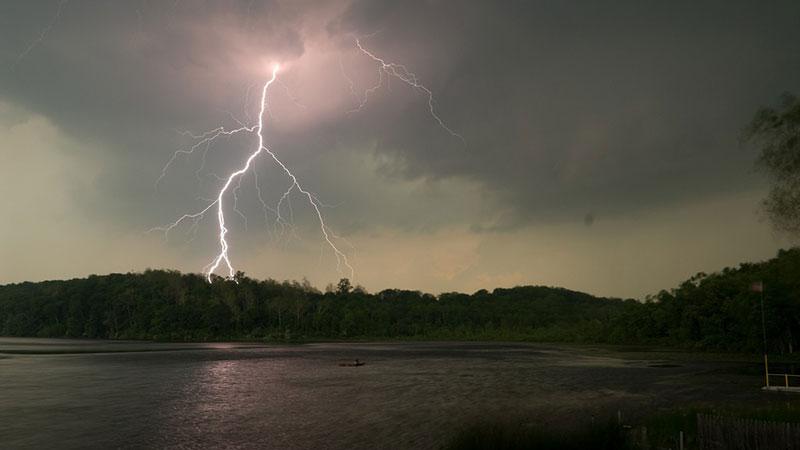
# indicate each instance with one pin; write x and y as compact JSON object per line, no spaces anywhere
{"x":399,"y":71}
{"x":222,"y":257}
{"x":42,"y":35}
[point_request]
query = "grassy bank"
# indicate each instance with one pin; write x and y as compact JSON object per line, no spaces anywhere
{"x":659,"y":430}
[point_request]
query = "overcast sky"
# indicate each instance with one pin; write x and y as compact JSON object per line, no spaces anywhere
{"x":600,"y":143}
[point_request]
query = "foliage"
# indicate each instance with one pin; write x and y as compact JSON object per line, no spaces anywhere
{"x":719,"y":311}
{"x":777,"y":132}
{"x":662,"y":428}
{"x":168,"y":305}
{"x":709,"y":312}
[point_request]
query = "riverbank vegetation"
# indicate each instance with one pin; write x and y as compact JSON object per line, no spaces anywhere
{"x":657,"y":430}
{"x":718,"y":311}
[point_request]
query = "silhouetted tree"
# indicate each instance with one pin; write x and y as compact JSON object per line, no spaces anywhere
{"x":714,"y":311}
{"x":777,"y":132}
{"x":344,"y":286}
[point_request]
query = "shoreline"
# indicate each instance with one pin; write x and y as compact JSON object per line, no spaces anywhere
{"x":620,"y":351}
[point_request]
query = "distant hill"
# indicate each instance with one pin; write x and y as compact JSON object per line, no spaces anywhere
{"x":716,"y":311}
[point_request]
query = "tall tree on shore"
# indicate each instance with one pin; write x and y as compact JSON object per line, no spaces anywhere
{"x":776,"y":131}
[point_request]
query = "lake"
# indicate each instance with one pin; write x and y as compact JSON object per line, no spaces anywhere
{"x":109,"y":394}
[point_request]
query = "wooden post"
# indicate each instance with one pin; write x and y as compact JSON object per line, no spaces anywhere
{"x":766,"y":369}
{"x":764,"y":334}
{"x":680,"y":440}
{"x":786,"y":376}
{"x":645,"y":441}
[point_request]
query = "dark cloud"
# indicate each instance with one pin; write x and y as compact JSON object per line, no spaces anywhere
{"x":566,"y":105}
{"x":562,"y":105}
{"x":571,"y":111}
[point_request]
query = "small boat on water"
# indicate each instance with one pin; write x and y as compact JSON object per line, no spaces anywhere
{"x":355,"y":363}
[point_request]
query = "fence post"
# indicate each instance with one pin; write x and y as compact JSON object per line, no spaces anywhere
{"x":701,"y":431}
{"x":766,"y":369}
{"x":645,"y":440}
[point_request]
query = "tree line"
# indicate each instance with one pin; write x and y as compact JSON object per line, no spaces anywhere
{"x":716,"y":311}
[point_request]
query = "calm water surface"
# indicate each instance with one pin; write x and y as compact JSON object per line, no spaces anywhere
{"x":90,"y":394}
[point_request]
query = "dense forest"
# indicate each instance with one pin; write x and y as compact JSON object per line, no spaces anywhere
{"x":717,"y":311}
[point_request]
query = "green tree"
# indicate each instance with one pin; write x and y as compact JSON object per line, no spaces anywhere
{"x":715,"y":311}
{"x":344,"y":287}
{"x":776,"y":131}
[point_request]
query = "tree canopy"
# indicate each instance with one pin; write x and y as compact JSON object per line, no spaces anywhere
{"x":709,"y":311}
{"x":777,"y":133}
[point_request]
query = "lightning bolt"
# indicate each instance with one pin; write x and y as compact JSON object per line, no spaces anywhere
{"x":400,"y":72}
{"x":222,"y":260}
{"x":386,"y":71}
{"x":202,"y":139}
{"x":42,"y":35}
{"x":233,"y":182}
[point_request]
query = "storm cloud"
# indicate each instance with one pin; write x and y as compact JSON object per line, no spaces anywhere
{"x":629,"y":113}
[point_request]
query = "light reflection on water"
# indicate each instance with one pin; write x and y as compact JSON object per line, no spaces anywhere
{"x":294,"y":397}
